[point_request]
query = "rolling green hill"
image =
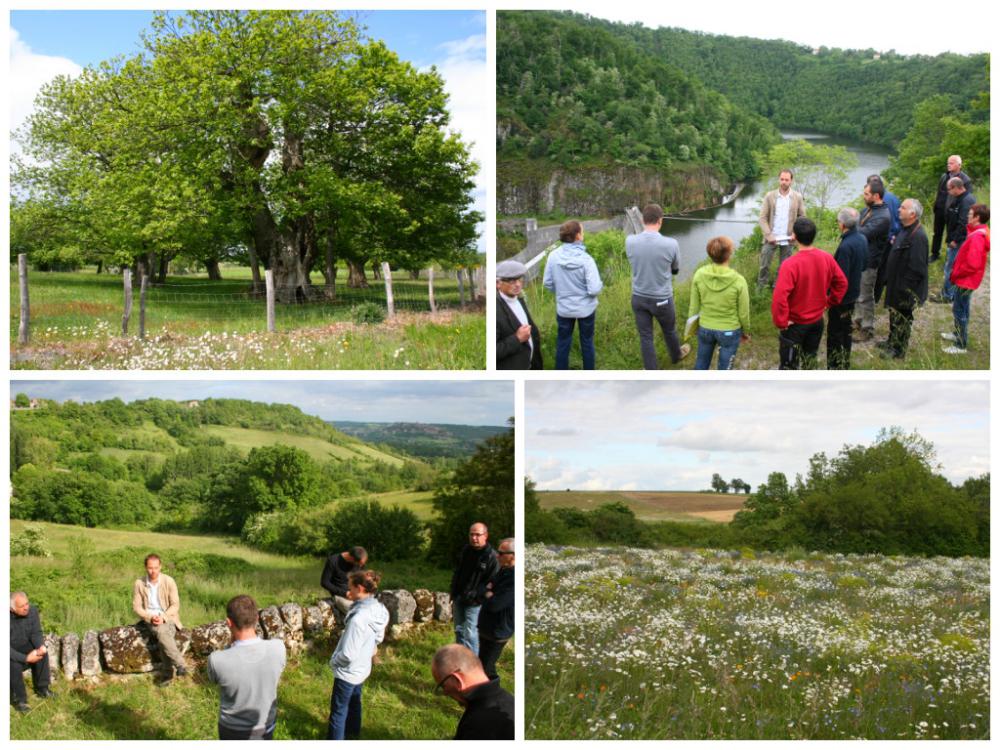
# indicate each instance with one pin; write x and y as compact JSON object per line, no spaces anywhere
{"x":244,"y":439}
{"x":420,"y":439}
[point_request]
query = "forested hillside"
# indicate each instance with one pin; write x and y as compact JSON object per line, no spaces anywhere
{"x":422,"y":440}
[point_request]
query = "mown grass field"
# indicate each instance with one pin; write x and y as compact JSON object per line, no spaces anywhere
{"x":617,"y":342}
{"x":245,"y":439}
{"x":88,"y":582}
{"x":637,"y":644}
{"x":195,"y":323}
{"x":653,"y":506}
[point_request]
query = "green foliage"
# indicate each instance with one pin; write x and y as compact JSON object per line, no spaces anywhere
{"x":387,"y":533}
{"x":21,"y":401}
{"x":481,"y":489}
{"x":615,"y":523}
{"x":79,"y":498}
{"x":820,"y":171}
{"x":31,"y":543}
{"x":368,"y":313}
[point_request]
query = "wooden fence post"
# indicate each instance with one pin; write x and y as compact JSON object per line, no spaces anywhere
{"x":269,"y":286}
{"x":461,"y":288}
{"x":127,"y":280}
{"x":142,"y":306}
{"x":22,"y":279}
{"x":473,"y":287}
{"x":387,"y":277}
{"x":430,"y":288}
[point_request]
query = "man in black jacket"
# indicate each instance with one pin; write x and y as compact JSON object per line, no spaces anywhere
{"x":957,"y":217}
{"x":875,"y":224}
{"x":476,"y":567}
{"x":942,"y":200}
{"x":339,"y":566}
{"x":906,"y":278}
{"x":27,"y":649}
{"x":489,"y":709}
{"x":519,"y":344}
{"x":496,"y":617}
{"x":852,"y":257}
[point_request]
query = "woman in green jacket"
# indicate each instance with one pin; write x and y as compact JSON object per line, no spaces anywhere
{"x":720,"y":301}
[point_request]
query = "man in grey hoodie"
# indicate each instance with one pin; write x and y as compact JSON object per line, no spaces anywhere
{"x":572,"y":275}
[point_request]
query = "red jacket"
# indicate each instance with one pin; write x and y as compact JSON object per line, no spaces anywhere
{"x":808,"y":283}
{"x":970,"y":263}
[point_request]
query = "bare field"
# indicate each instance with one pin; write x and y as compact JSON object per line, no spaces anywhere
{"x":653,"y":506}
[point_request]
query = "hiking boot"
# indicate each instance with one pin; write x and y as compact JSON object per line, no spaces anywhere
{"x":950,"y":337}
{"x":44,"y":693}
{"x":954,"y":350}
{"x":685,"y":350}
{"x":21,"y":708}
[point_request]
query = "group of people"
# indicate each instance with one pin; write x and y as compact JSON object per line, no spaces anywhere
{"x":882,"y":249}
{"x":249,"y":670}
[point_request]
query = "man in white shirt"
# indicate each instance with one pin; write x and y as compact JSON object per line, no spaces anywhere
{"x":778,"y":213}
{"x":155,"y":600}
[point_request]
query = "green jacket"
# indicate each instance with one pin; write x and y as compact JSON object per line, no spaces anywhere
{"x":720,"y":296}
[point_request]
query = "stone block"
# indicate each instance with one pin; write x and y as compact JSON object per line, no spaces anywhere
{"x":274,"y":626}
{"x":129,"y":649}
{"x":213,"y":636}
{"x":90,"y":655}
{"x":442,"y":606}
{"x":425,"y":605}
{"x":401,"y":606}
{"x":70,"y":655}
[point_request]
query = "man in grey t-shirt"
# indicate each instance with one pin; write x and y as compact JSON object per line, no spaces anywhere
{"x":247,"y":674}
{"x":655,"y":261}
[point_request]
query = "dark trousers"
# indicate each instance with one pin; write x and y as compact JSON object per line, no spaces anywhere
{"x":960,"y":306}
{"x":798,"y":345}
{"x":345,"y":711}
{"x":564,"y":341}
{"x":940,"y":226}
{"x":648,"y":309}
{"x":225,"y":733}
{"x":838,"y":337}
{"x":40,"y":678}
{"x":489,"y":652}
{"x":900,"y":322}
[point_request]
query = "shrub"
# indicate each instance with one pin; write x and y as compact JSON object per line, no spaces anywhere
{"x":367,"y":312}
{"x":392,"y":533}
{"x":31,"y":542}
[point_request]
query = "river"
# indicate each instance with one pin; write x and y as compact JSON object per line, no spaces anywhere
{"x":738,"y":218}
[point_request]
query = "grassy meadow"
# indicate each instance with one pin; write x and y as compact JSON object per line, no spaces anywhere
{"x":710,"y":644}
{"x":87,"y":584}
{"x":691,"y":507}
{"x":617,"y":341}
{"x":245,"y":439}
{"x":195,"y":323}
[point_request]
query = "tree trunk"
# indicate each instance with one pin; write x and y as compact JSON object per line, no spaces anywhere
{"x":356,"y":278}
{"x":214,"y":272}
{"x":22,"y":276}
{"x":376,"y":271}
{"x":161,"y":276}
{"x":257,"y":283}
{"x":100,"y":267}
{"x":329,"y":268}
{"x":415,"y":275}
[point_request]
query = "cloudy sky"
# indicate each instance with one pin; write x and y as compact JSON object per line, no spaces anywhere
{"x":911,"y":28}
{"x":429,"y":401}
{"x":646,"y":435}
{"x":44,"y":44}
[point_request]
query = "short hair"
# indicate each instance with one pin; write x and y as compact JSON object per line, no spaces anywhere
{"x":652,"y":213}
{"x":848,"y":217}
{"x":719,"y":249}
{"x":17,"y":595}
{"x":916,"y":207}
{"x":955,"y":182}
{"x":242,"y":611}
{"x":957,"y":158}
{"x":365,"y":579}
{"x":151,"y":556}
{"x":982,"y":212}
{"x":804,"y":230}
{"x":876,"y":186}
{"x":455,"y":658}
{"x":789,"y":172}
{"x":569,"y":230}
{"x":480,"y":523}
{"x":509,"y":540}
{"x":358,"y":553}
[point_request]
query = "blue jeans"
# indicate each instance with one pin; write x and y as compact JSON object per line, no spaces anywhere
{"x":564,"y":341}
{"x":727,"y":341}
{"x":345,"y":711}
{"x":961,"y":301}
{"x":467,"y":625}
{"x":948,"y":290}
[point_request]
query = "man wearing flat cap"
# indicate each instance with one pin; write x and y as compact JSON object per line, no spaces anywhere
{"x":518,"y":341}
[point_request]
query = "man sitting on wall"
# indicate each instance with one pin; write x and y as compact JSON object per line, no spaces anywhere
{"x":27,"y":650}
{"x":155,"y":600}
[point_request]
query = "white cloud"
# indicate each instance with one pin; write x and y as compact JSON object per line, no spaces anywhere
{"x":28,"y":72}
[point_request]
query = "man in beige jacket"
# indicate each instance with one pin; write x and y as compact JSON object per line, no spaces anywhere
{"x":778,"y":213}
{"x":155,"y":600}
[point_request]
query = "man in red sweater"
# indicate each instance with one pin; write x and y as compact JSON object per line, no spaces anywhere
{"x":808,"y":283}
{"x":967,"y":274}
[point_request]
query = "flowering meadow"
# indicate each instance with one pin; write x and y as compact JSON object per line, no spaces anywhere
{"x":641,"y":644}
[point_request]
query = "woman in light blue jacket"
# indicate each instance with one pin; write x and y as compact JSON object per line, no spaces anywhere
{"x":572,"y":274}
{"x":364,"y":629}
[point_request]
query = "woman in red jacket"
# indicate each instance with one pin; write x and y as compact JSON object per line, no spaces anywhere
{"x":967,"y":274}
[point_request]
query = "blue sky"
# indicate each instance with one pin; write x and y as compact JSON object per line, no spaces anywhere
{"x":430,"y":401}
{"x":649,"y":435}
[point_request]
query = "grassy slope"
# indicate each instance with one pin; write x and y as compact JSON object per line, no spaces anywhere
{"x":88,"y":581}
{"x":418,"y":502}
{"x":617,"y":342}
{"x":244,"y":439}
{"x":653,"y":506}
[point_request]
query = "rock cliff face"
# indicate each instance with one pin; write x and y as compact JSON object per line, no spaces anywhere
{"x":539,"y":187}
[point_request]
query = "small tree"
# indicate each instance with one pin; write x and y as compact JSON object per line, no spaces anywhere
{"x":719,"y":484}
{"x":820,"y":171}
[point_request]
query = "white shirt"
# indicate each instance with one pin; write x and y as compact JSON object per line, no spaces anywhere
{"x":154,"y":597}
{"x":522,"y":317}
{"x":782,"y":207}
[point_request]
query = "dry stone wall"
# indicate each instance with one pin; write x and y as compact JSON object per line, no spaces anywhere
{"x":128,"y":649}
